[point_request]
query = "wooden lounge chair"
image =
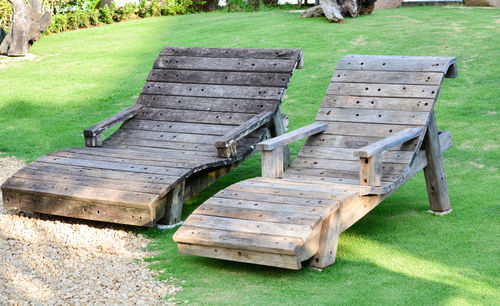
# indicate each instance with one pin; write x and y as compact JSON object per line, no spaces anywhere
{"x":374,"y":131}
{"x":200,"y":113}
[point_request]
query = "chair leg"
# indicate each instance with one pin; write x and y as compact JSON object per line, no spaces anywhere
{"x":435,"y":178}
{"x":277,"y":129}
{"x":328,"y":241}
{"x":175,"y":199}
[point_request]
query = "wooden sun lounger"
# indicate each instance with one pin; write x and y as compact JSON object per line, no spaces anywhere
{"x":374,"y":131}
{"x":200,"y":113}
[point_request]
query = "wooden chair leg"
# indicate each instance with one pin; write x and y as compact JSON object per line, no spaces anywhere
{"x":277,"y":129}
{"x":328,"y":241}
{"x":175,"y":199}
{"x":435,"y":178}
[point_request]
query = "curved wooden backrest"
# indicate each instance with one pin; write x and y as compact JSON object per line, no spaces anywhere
{"x":368,"y":99}
{"x":194,"y":95}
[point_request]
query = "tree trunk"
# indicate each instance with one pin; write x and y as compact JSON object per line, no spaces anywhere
{"x":335,"y":10}
{"x":27,"y":23}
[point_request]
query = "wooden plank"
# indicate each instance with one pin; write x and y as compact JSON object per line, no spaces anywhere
{"x":314,"y":152}
{"x":219,"y":77}
{"x":315,"y":182}
{"x":261,"y":258}
{"x":129,"y":143}
{"x":176,"y":127}
{"x":372,"y":116}
{"x":342,"y":181}
{"x":347,"y":176}
{"x":328,"y":241}
{"x":292,"y":136}
{"x":70,"y":207}
{"x":272,"y":163}
{"x":298,"y":192}
{"x":250,"y":226}
{"x":370,"y":170}
{"x":396,"y":63}
{"x":343,"y":165}
{"x":353,"y":142}
{"x":129,"y":167}
{"x":175,"y":200}
{"x":359,"y":102}
{"x":225,"y":64}
{"x":253,"y":106}
{"x":175,"y":115}
{"x":255,"y":195}
{"x":106,"y":158}
{"x":388,"y":77}
{"x":54,"y":176}
{"x":257,"y":215}
{"x":232,"y":52}
{"x":167,"y":136}
{"x":382,"y":90}
{"x":274,"y":206}
{"x":389,"y":142}
{"x":125,"y":176}
{"x":118,"y":144}
{"x":82,"y":193}
{"x":229,"y":239}
{"x":364,"y":129}
{"x":279,"y":127}
{"x":214,"y":91}
{"x":435,"y":177}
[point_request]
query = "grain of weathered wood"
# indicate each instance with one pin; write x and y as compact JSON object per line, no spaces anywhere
{"x":383,"y":90}
{"x":167,"y":136}
{"x":388,"y":77}
{"x":175,"y":115}
{"x":435,"y":177}
{"x":328,"y":241}
{"x":370,"y":170}
{"x":219,"y":77}
{"x":232,"y":52}
{"x":175,"y":199}
{"x":254,"y":195}
{"x":292,"y":136}
{"x":280,"y":126}
{"x":224,"y":64}
{"x":272,"y":163}
{"x":331,"y":153}
{"x":387,"y":143}
{"x":253,"y":106}
{"x":372,"y":116}
{"x":378,"y":103}
{"x":305,"y":162}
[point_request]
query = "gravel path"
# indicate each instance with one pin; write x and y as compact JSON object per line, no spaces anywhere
{"x":52,"y":260}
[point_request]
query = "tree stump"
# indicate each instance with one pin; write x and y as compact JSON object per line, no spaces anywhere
{"x":27,"y":23}
{"x":335,"y":10}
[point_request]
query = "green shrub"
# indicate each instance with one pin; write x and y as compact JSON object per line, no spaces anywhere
{"x":93,"y":17}
{"x":125,"y":12}
{"x":143,"y":10}
{"x":106,"y":15}
{"x":5,"y":13}
{"x":155,"y":8}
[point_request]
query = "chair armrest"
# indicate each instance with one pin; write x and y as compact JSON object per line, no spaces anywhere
{"x":93,"y":137}
{"x":279,"y":141}
{"x":226,"y":145}
{"x":387,"y":143}
{"x":272,"y":149}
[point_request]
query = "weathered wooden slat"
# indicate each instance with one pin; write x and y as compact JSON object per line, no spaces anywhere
{"x":279,"y":190}
{"x":255,"y":195}
{"x":364,"y":129}
{"x":125,"y":176}
{"x":158,"y":150}
{"x":176,"y":127}
{"x":92,"y":157}
{"x":253,"y":106}
{"x":343,"y":165}
{"x":343,"y":175}
{"x":115,"y":141}
{"x":388,"y":77}
{"x":224,"y":118}
{"x":313,"y":152}
{"x":72,"y":179}
{"x":129,"y":167}
{"x":372,"y":116}
{"x":378,"y":103}
{"x":257,"y":215}
{"x":399,"y":63}
{"x":387,"y":143}
{"x":167,"y":136}
{"x":333,"y":187}
{"x":219,"y":77}
{"x":262,"y":258}
{"x":250,"y":226}
{"x":228,"y":239}
{"x":293,"y":54}
{"x":292,"y":136}
{"x":213,"y":91}
{"x":82,"y":193}
{"x":70,"y":207}
{"x":258,"y":203}
{"x":225,"y":64}
{"x":382,"y":90}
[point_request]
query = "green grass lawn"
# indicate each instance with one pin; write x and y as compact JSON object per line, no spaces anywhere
{"x":398,"y":253}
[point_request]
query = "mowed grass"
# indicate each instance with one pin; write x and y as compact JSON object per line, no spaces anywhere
{"x":398,"y":253}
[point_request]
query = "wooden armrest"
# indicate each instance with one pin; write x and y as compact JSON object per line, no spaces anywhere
{"x":93,"y":137}
{"x":370,"y":156}
{"x":226,"y":146}
{"x":272,"y":149}
{"x":292,"y":136}
{"x":387,"y":143}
